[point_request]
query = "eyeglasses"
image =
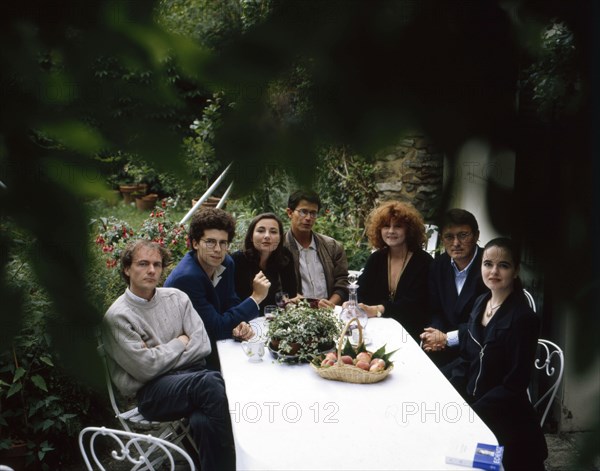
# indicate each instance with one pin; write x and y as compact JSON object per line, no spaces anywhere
{"x":304,"y":213}
{"x":461,"y":236}
{"x":212,"y":243}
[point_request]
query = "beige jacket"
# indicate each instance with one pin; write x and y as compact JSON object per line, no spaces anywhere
{"x":332,"y":256}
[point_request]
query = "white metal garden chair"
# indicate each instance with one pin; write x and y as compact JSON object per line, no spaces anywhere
{"x":550,"y":362}
{"x":433,"y":234}
{"x":137,"y":449}
{"x":530,"y":300}
{"x":177,"y":432}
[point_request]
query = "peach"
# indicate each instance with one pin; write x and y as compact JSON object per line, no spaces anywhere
{"x":364,"y":356}
{"x":327,"y":362}
{"x":377,"y":365}
{"x":331,"y":356}
{"x":347,"y":359}
{"x":363,"y":365}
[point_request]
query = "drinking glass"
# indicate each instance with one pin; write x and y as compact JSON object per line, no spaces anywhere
{"x":270,"y":312}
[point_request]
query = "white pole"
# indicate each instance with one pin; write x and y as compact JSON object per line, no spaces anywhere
{"x":225,"y":195}
{"x":205,"y":195}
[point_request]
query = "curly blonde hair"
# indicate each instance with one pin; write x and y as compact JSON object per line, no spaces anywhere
{"x":404,"y":214}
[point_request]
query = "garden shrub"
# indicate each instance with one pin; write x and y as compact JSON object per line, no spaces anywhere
{"x":41,"y":404}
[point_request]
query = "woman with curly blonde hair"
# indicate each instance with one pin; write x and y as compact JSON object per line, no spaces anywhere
{"x":394,"y":280}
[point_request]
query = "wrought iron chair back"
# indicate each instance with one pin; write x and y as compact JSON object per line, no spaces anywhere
{"x":177,"y":432}
{"x":137,"y":449}
{"x":550,"y":362}
{"x":530,"y":300}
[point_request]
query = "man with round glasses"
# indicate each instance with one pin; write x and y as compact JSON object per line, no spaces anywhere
{"x":206,"y":275}
{"x":454,"y":284}
{"x":320,"y":261}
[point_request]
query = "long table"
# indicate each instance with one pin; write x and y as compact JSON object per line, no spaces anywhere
{"x":285,"y":416}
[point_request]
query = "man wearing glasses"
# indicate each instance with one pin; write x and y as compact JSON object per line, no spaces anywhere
{"x":320,"y":261}
{"x":454,"y":284}
{"x":205,"y":274}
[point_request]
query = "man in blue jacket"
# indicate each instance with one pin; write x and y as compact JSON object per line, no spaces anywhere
{"x":205,"y":274}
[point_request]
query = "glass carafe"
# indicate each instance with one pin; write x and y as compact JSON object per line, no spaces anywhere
{"x":353,"y":310}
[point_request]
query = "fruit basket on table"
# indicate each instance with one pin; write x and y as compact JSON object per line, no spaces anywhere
{"x":354,"y":365}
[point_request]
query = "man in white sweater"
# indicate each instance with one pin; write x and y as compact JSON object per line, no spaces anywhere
{"x":156,"y":346}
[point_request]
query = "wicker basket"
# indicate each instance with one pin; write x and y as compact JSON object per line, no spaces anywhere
{"x":350,"y":373}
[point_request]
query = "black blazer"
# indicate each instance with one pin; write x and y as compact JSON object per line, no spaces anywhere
{"x":282,"y":279}
{"x":448,"y":310}
{"x":409,"y":306}
{"x":494,"y":372}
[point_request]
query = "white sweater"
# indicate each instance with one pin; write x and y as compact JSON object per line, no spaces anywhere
{"x":140,"y":338}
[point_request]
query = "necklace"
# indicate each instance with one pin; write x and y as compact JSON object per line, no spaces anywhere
{"x":391,"y":284}
{"x":491,"y":309}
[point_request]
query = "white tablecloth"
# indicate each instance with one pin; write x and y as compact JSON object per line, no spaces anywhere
{"x":287,"y":417}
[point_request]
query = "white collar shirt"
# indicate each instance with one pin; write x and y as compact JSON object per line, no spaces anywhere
{"x":312,"y":274}
{"x":460,"y":276}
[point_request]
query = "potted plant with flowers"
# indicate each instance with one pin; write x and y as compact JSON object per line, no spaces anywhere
{"x":300,"y":332}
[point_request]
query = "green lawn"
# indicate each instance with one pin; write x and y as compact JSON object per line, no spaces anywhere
{"x":129,"y":213}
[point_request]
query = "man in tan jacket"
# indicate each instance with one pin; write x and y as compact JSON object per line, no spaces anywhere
{"x":320,"y":261}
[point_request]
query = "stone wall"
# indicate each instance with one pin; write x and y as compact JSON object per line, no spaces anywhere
{"x":411,"y":171}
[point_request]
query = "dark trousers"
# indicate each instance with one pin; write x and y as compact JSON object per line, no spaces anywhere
{"x":200,"y":396}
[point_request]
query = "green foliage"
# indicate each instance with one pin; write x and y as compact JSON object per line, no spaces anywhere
{"x":202,"y":166}
{"x":272,"y":196}
{"x":311,"y":328}
{"x":110,"y":236}
{"x":350,"y":235}
{"x":554,"y":77}
{"x":347,"y":182}
{"x":40,"y":404}
{"x":211,"y":22}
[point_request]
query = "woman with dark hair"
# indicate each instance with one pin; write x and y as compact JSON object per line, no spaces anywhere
{"x":497,"y":351}
{"x":264,"y":251}
{"x":394,"y":280}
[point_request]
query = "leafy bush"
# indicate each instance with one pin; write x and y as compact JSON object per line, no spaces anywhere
{"x":200,"y":160}
{"x":346,"y":185}
{"x":111,"y":235}
{"x":40,"y":404}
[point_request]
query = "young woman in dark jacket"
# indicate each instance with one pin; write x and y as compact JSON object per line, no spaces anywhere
{"x":497,"y":350}
{"x":264,"y":251}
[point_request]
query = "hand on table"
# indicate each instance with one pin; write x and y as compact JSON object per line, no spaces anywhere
{"x":326,"y":303}
{"x":243,"y":331}
{"x":433,"y":340}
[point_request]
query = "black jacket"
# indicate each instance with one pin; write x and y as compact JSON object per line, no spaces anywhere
{"x":449,"y":310}
{"x":409,"y":306}
{"x":282,"y":278}
{"x":494,"y":372}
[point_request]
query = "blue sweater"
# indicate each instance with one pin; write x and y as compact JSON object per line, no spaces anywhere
{"x":218,"y":306}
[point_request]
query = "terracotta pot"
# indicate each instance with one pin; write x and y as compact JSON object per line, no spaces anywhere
{"x":211,"y":202}
{"x":146,"y":202}
{"x":128,"y":190}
